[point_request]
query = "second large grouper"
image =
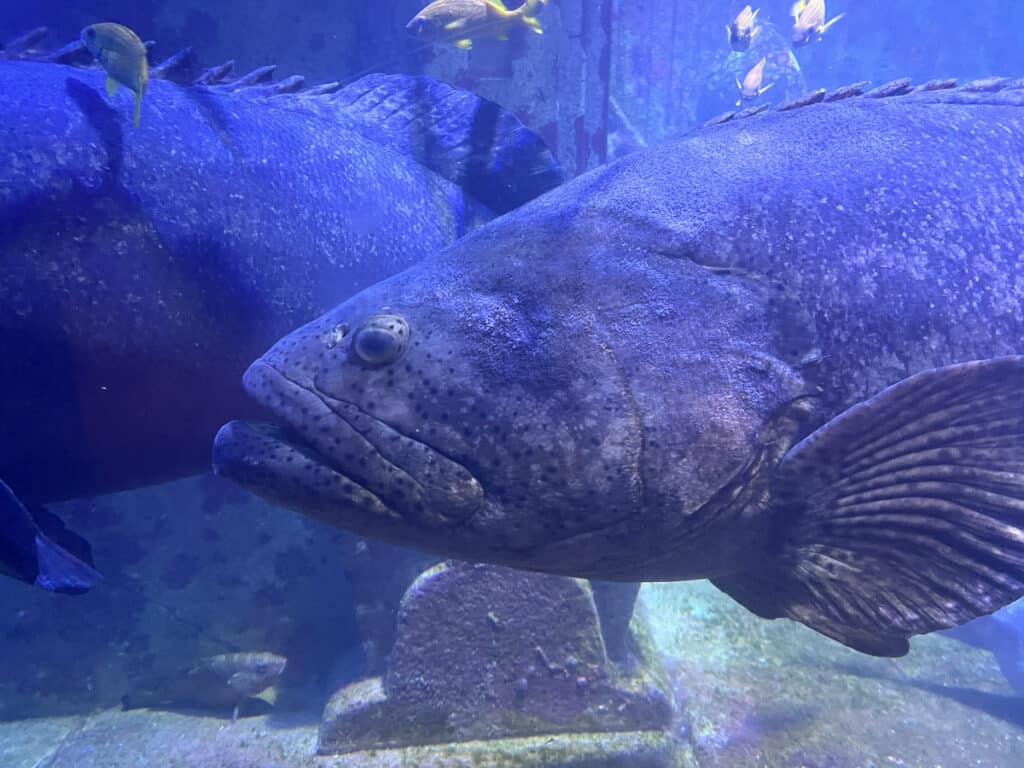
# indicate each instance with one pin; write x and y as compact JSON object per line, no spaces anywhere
{"x":783,"y":353}
{"x":141,"y":270}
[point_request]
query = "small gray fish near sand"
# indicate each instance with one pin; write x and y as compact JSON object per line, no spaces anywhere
{"x":225,"y":680}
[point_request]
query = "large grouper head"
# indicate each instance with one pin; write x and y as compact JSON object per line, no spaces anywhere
{"x":563,"y":391}
{"x":758,"y":355}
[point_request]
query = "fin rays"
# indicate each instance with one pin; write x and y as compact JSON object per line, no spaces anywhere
{"x":903,"y":515}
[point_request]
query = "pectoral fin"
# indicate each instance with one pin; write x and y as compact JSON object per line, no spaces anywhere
{"x":112,"y":86}
{"x":903,"y":515}
{"x":36,"y":547}
{"x":465,"y":44}
{"x":455,"y":26}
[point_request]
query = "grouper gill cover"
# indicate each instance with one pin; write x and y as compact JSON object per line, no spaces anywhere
{"x":511,"y":384}
{"x":686,"y":365}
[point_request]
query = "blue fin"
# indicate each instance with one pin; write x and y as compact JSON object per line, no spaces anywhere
{"x":464,"y":138}
{"x":36,"y":547}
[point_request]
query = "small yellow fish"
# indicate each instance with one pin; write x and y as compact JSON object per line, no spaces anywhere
{"x":743,"y":28}
{"x":462,"y":21}
{"x":751,"y":86}
{"x":809,"y":21}
{"x":123,"y":55}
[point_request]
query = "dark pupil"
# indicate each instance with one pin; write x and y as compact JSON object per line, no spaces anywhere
{"x":375,"y":344}
{"x":91,"y":34}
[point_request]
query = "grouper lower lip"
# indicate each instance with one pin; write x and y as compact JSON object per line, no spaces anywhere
{"x":348,"y":467}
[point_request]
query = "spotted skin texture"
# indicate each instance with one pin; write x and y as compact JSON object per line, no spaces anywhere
{"x":142,"y":270}
{"x":605,"y":382}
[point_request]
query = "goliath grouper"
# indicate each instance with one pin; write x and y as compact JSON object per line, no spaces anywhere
{"x":142,"y":269}
{"x":783,"y":354}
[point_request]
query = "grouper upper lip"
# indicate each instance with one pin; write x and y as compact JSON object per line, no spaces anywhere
{"x":335,"y":453}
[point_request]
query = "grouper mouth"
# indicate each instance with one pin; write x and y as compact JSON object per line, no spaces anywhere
{"x":332,"y":460}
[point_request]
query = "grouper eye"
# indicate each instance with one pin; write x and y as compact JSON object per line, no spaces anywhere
{"x":381,"y":339}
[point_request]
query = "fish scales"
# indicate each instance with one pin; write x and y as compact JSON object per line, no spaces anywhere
{"x":143,"y":268}
{"x":220,"y":222}
{"x":783,"y":353}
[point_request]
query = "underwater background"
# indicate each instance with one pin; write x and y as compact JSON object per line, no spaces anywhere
{"x":197,"y":568}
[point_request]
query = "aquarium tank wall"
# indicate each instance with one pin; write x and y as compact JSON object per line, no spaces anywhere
{"x":576,"y":383}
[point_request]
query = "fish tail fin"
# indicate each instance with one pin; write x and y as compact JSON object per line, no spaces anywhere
{"x":533,"y":25}
{"x":36,"y":547}
{"x":828,"y":25}
{"x":528,"y":14}
{"x":269,"y":695}
{"x":902,"y":515}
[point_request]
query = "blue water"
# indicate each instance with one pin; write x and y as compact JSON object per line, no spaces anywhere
{"x":197,"y":567}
